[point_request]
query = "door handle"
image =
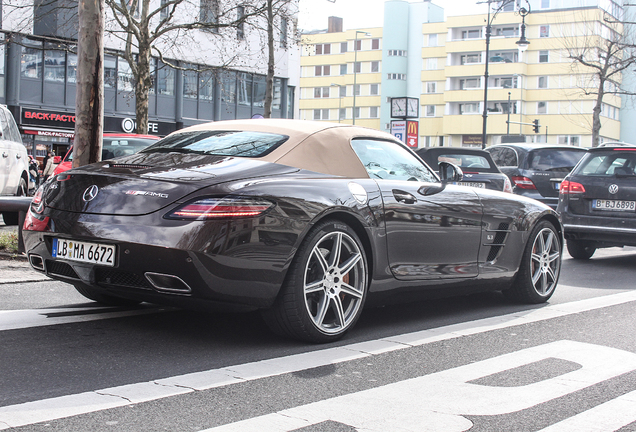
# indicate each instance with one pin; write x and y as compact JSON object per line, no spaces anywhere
{"x":5,"y":154}
{"x":18,"y":156}
{"x":404,"y":197}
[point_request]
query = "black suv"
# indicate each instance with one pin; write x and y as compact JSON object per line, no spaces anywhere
{"x":597,"y":201}
{"x":536,"y":170}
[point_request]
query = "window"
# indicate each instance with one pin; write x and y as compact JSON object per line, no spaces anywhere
{"x":388,"y":160}
{"x":545,"y":4}
{"x":110,"y":72}
{"x":228,"y":87}
{"x":375,"y":44}
{"x":470,"y":58}
{"x":542,"y":107}
{"x":569,"y":139}
{"x":375,"y":66}
{"x":244,"y":89}
{"x":506,"y":31}
{"x":397,"y":53}
{"x":396,"y":76}
{"x":321,"y":92}
{"x":471,"y":34}
{"x":374,"y":89}
{"x":165,"y":81}
{"x":469,"y":108}
{"x":504,"y":57}
{"x":431,"y":63}
{"x":430,"y":110}
{"x":544,"y":31}
{"x":322,"y":70}
{"x":321,"y":114}
{"x":432,"y":40}
{"x":357,"y":67}
{"x":508,"y":6}
{"x":283,"y":33}
{"x":342,"y":113}
{"x":356,"y":89}
{"x":208,"y":11}
{"x":542,"y":82}
{"x":342,"y":91}
{"x":323,"y":49}
{"x":206,"y":85}
{"x":165,"y":10}
{"x":356,"y":112}
{"x":54,"y":65}
{"x":543,"y":56}
{"x":506,"y":82}
{"x":431,"y":87}
{"x":357,"y":46}
{"x":343,"y":47}
{"x":343,"y":69}
{"x":133,"y":4}
{"x":71,"y":67}
{"x":31,"y":62}
{"x":373,"y":112}
{"x":469,"y":83}
{"x":504,"y":156}
{"x":240,"y":28}
{"x":125,"y":80}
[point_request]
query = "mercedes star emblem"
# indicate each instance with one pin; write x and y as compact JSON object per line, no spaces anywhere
{"x":612,"y":188}
{"x":90,"y":193}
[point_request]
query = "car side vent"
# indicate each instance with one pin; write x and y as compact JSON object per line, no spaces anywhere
{"x":129,"y":166}
{"x":61,"y":269}
{"x":113,"y":277}
{"x":499,"y":241}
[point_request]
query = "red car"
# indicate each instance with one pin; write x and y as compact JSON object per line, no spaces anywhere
{"x":114,"y":145}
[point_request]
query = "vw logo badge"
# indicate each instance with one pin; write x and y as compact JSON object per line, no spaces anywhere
{"x":612,"y":188}
{"x":90,"y":193}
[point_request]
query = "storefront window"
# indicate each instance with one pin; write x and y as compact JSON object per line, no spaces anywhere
{"x":125,"y":79}
{"x":206,"y":85}
{"x":110,"y":71}
{"x":71,"y":67}
{"x":245,"y":89}
{"x":277,"y":93}
{"x":54,"y":65}
{"x":165,"y":80}
{"x":260,"y":88}
{"x":31,"y":61}
{"x":228,"y":87}
{"x":190,"y":84}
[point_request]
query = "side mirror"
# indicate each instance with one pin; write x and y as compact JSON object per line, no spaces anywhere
{"x":57,"y":159}
{"x":449,"y":172}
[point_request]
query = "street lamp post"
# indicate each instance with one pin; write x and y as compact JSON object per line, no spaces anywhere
{"x":339,"y":98}
{"x":355,"y":74}
{"x":522,"y":43}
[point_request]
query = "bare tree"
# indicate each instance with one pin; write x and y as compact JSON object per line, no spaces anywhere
{"x":601,"y":50}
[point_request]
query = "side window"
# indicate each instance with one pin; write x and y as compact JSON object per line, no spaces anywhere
{"x":496,"y":155}
{"x":389,"y":160}
{"x":6,"y":135}
{"x":12,"y":128}
{"x":508,"y":158}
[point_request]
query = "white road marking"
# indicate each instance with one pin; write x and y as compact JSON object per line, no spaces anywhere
{"x":21,"y":319}
{"x":64,"y":406}
{"x":609,"y":416}
{"x":439,"y":401}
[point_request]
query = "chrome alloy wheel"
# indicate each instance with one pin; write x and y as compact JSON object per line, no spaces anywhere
{"x":334,"y":282}
{"x":545,"y":262}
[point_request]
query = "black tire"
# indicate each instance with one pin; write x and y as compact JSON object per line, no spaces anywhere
{"x":580,"y":250}
{"x":325,"y":288}
{"x":540,"y":266}
{"x":23,"y":188}
{"x":105,"y":299}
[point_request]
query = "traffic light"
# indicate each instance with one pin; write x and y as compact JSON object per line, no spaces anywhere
{"x":535,"y":126}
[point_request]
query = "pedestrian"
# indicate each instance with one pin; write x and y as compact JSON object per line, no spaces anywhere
{"x":34,"y":169}
{"x":49,"y":165}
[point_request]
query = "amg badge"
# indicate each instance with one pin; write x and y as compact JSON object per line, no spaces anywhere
{"x":146,"y":193}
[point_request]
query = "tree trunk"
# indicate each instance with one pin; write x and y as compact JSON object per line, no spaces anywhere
{"x":89,"y":100}
{"x":142,"y":87}
{"x":269,"y":89}
{"x":596,"y":117}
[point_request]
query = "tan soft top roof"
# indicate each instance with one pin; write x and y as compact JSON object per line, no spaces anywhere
{"x":316,"y":146}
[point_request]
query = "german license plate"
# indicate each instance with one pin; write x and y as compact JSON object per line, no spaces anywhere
{"x":472,"y":184}
{"x":616,"y":205}
{"x":94,"y":253}
{"x":557,"y":185}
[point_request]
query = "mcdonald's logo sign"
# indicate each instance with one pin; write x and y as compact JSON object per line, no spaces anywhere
{"x":412,"y":133}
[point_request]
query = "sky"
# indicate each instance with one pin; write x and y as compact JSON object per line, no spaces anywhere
{"x":367,"y":13}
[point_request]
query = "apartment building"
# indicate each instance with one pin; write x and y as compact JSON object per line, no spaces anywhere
{"x":442,"y":63}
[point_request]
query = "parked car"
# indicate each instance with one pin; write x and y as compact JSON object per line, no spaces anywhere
{"x":302,"y":220}
{"x":536,"y":170}
{"x":14,"y":163}
{"x":479,"y":169}
{"x":597,"y":201}
{"x":113,"y":145}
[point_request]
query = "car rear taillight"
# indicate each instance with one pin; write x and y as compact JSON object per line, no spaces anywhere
{"x":507,"y":185}
{"x":523,"y":182}
{"x":37,"y":204}
{"x":570,"y":187}
{"x":219,"y":208}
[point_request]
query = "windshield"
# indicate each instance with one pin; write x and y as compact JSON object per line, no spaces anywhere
{"x":219,"y":143}
{"x":608,"y":164}
{"x":469,"y":162}
{"x":554,"y":160}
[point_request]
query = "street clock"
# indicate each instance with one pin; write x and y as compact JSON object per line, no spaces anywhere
{"x":405,"y":107}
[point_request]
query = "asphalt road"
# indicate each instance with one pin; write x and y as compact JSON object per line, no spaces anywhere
{"x":476,"y":363}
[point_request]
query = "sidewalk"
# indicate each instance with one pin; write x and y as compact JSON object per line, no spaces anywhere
{"x":16,"y":268}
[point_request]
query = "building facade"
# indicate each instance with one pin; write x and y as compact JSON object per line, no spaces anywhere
{"x":442,"y":63}
{"x":38,"y":70}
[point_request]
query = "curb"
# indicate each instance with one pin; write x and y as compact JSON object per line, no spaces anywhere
{"x":13,"y":256}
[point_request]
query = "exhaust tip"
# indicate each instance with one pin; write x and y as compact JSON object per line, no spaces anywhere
{"x":168,"y":283}
{"x":36,"y":262}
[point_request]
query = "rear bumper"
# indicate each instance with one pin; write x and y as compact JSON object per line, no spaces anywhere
{"x":604,"y":231}
{"x":534,"y":194}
